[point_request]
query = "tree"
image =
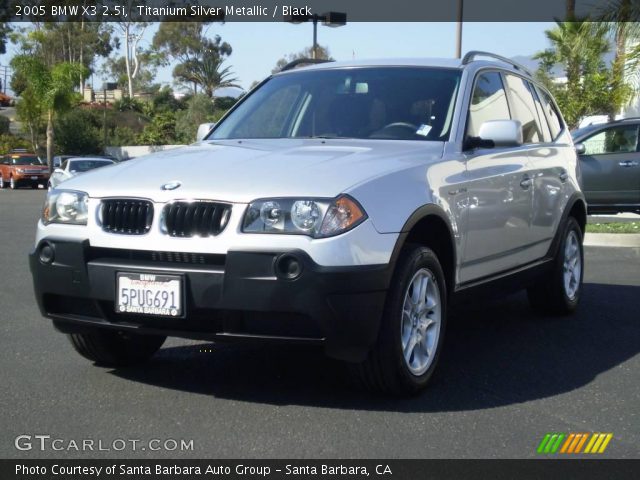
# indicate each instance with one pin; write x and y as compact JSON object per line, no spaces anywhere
{"x":30,"y":112}
{"x":79,"y":42}
{"x":79,"y":132}
{"x":621,"y":19}
{"x":116,"y":69}
{"x":161,"y":130}
{"x":53,"y":86}
{"x":4,"y":32}
{"x":206,"y":72}
{"x":579,"y":46}
{"x":199,"y":58}
{"x":199,"y":110}
{"x":322,"y":54}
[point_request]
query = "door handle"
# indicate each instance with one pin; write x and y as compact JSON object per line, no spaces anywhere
{"x":526,"y":182}
{"x":628,"y":163}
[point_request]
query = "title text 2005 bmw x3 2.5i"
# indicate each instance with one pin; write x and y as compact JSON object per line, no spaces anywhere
{"x":343,"y":204}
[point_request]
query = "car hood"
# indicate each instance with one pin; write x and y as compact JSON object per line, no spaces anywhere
{"x":242,"y":171}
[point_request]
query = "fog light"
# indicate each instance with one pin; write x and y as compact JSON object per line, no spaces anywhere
{"x":47,"y":253}
{"x":288,"y":267}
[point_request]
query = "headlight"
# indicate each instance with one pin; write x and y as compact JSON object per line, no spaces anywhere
{"x":65,"y":206}
{"x":315,"y":217}
{"x":20,"y":170}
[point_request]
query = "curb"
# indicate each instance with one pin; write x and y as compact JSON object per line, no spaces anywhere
{"x":612,"y":240}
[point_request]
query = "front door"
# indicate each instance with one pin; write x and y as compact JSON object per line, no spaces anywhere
{"x":611,"y":167}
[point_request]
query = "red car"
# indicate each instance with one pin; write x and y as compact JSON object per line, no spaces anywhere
{"x":22,"y":168}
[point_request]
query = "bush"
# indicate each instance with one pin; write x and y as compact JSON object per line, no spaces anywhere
{"x":128,"y":104}
{"x":121,"y":136}
{"x":199,"y":110}
{"x":161,"y":130}
{"x":4,"y":125}
{"x":8,"y":142}
{"x":79,"y":132}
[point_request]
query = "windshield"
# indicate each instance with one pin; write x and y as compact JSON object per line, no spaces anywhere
{"x":402,"y":103}
{"x":85,"y":165}
{"x":25,"y":161}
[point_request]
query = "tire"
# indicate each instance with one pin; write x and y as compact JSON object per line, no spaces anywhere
{"x":558,"y":291}
{"x":408,"y":320}
{"x":115,"y":349}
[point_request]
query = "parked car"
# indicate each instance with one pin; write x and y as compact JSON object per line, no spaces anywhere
{"x":74,"y":166}
{"x":19,"y":168}
{"x":58,"y":159}
{"x":610,"y":165}
{"x":345,"y":205}
{"x":5,"y":100}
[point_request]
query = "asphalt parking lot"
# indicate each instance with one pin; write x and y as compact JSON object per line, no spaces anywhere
{"x":506,"y":379}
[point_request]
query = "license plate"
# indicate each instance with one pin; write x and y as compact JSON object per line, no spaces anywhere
{"x":34,"y":178}
{"x":149,"y":294}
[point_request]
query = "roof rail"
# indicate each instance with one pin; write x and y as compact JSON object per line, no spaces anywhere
{"x":627,"y":118}
{"x":18,"y":150}
{"x":303,"y":61}
{"x":470,"y":56}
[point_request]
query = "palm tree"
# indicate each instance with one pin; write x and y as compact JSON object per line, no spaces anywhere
{"x":207,"y":72}
{"x":54,"y":86}
{"x":621,"y":20}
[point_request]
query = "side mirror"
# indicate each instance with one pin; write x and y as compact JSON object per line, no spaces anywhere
{"x":503,"y":133}
{"x":580,"y":148}
{"x":203,"y":130}
{"x":57,"y":170}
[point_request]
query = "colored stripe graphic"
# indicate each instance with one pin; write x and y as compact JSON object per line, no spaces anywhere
{"x":572,"y":443}
{"x":582,"y":440}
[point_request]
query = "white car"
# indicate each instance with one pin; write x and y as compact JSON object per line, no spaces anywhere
{"x":73,"y":166}
{"x":344,"y":205}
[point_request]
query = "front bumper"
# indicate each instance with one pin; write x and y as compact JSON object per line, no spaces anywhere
{"x":238,"y":296}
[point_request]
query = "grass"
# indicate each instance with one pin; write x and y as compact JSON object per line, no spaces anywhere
{"x":617,"y":227}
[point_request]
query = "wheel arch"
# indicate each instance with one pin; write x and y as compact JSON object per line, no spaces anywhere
{"x":577,"y":208}
{"x":430,"y":226}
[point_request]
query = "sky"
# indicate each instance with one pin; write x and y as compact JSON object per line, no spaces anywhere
{"x":257,"y":46}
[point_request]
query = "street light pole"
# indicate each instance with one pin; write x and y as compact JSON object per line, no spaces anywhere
{"x":315,"y":37}
{"x":459,"y":29}
{"x":329,"y":19}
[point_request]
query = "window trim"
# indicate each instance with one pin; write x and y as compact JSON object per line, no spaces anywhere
{"x":510,"y":100}
{"x":611,"y":127}
{"x":563,"y":124}
{"x":467,"y":107}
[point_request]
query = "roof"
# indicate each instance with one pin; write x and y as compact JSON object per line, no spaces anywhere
{"x":455,"y":63}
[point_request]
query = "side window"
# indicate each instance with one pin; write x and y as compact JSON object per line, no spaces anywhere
{"x":546,"y":131}
{"x":621,"y":139}
{"x":489,"y":102}
{"x":523,"y":109}
{"x":555,"y":123}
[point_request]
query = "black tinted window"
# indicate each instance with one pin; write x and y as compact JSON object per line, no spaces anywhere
{"x":407,"y":103}
{"x":489,"y":102}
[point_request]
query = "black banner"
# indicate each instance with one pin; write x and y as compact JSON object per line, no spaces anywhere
{"x":284,"y":10}
{"x":320,"y":469}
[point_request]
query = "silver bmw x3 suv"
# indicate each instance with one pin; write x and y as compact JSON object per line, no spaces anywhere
{"x":345,"y":205}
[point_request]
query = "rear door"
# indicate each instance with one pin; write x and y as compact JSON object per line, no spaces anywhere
{"x":611,"y":166}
